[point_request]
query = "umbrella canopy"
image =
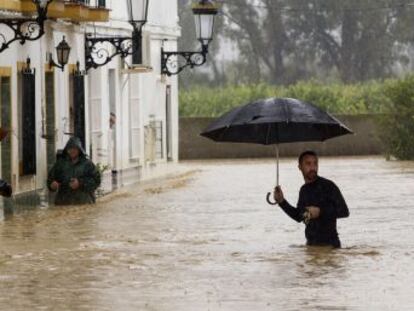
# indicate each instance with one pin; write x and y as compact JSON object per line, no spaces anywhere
{"x":275,"y":121}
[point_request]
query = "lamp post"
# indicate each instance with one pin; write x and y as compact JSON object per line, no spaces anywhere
{"x":138,"y":15}
{"x":25,"y":29}
{"x":62,"y":52}
{"x":204,"y":12}
{"x":97,"y":55}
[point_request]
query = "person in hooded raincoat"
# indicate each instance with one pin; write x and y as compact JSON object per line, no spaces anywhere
{"x":74,"y":177}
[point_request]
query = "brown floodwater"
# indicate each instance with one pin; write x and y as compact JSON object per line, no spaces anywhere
{"x":206,"y":240}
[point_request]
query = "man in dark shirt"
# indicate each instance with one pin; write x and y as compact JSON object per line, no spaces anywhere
{"x":320,"y":204}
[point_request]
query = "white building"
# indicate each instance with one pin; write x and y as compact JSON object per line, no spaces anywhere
{"x":42,"y":107}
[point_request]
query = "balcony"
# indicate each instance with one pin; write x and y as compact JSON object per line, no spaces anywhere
{"x":72,"y":10}
{"x":84,"y":11}
{"x":10,"y":5}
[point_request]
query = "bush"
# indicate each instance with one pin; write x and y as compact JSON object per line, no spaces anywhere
{"x":397,"y":125}
{"x":391,"y":100}
{"x":335,"y":98}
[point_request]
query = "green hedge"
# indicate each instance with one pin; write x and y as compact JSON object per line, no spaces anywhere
{"x":392,"y":100}
{"x":397,"y":125}
{"x":336,"y":98}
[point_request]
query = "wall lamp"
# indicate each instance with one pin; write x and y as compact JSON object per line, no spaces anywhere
{"x":96,"y":53}
{"x":62,"y":52}
{"x":172,"y":63}
{"x":25,"y":29}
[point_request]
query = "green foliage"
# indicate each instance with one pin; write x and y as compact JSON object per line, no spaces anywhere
{"x":101,"y":168}
{"x":336,"y":98}
{"x":391,"y":100}
{"x":397,"y":125}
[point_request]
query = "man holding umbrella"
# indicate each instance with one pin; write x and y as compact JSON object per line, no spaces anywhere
{"x":275,"y":121}
{"x":320,"y":204}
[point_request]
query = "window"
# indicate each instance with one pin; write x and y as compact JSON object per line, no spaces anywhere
{"x":86,"y":2}
{"x":77,"y":112}
{"x":101,"y":3}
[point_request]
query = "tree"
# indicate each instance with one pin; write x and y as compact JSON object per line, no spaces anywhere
{"x":284,"y":41}
{"x":188,"y":42}
{"x":357,"y":38}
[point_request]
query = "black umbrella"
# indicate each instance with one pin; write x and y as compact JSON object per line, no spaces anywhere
{"x":274,"y":121}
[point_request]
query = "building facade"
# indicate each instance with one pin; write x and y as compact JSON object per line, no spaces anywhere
{"x":126,"y":115}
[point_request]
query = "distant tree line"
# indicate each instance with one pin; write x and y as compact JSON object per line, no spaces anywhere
{"x":282,"y":42}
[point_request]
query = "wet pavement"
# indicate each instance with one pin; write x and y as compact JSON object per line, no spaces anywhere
{"x":206,"y":240}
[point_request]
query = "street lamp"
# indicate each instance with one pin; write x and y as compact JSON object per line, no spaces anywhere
{"x":62,"y":52}
{"x":97,"y":56}
{"x":204,"y":12}
{"x":204,"y":15}
{"x":26,"y":29}
{"x":138,"y":15}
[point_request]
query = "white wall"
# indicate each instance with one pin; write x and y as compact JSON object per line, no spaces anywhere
{"x":140,"y":95}
{"x":147,"y":90}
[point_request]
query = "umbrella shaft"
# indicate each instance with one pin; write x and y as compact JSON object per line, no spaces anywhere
{"x":277,"y":164}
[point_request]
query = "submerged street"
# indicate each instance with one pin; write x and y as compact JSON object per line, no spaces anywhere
{"x":207,"y":240}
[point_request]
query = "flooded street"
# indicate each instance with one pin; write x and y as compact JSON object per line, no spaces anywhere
{"x":207,"y":240}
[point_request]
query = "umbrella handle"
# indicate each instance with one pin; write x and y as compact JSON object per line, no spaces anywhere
{"x":269,"y":194}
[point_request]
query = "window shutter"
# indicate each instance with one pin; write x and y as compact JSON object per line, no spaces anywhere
{"x":29,"y":122}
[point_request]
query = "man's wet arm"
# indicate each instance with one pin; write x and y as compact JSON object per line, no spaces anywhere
{"x":291,"y":211}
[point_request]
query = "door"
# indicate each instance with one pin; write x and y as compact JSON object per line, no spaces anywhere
{"x":79,"y":107}
{"x":28,"y":123}
{"x":112,"y":143}
{"x":50,"y":120}
{"x":5,"y":123}
{"x":95,"y":115}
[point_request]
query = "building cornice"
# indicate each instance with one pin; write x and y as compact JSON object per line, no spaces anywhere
{"x":124,"y":28}
{"x":58,"y":9}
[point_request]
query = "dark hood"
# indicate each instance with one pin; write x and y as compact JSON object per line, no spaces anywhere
{"x":74,"y":142}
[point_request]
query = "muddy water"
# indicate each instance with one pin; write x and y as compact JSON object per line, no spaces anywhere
{"x":208,"y":241}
